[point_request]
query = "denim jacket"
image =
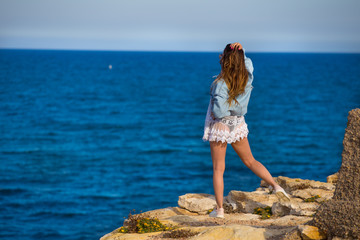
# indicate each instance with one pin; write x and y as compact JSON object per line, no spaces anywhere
{"x":219,"y":96}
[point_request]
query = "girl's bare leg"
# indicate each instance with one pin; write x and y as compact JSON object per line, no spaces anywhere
{"x":218,"y":152}
{"x":242,"y":148}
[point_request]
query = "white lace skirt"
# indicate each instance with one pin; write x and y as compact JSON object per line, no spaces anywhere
{"x":227,"y":129}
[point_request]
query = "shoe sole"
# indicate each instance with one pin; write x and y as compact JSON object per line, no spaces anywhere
{"x":216,"y":216}
{"x":282,"y":196}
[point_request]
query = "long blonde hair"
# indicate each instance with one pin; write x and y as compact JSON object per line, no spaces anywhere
{"x":233,"y":71}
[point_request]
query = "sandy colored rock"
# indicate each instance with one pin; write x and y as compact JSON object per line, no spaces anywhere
{"x":295,"y":207}
{"x":339,"y":238}
{"x":163,"y":213}
{"x":340,"y":216}
{"x":128,"y":236}
{"x":262,"y":189}
{"x":310,"y":192}
{"x":292,"y":235}
{"x":237,"y":224}
{"x":279,"y":209}
{"x":247,"y":201}
{"x":216,"y":233}
{"x":333,"y":178}
{"x":277,"y":227}
{"x":288,"y":220}
{"x":293,"y":184}
{"x":304,"y":208}
{"x":229,"y":219}
{"x":197,"y":202}
{"x":182,"y":220}
{"x":236,"y":232}
{"x":308,"y":232}
{"x":239,"y":218}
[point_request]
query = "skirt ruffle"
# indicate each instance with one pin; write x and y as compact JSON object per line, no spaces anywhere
{"x":228,"y":129}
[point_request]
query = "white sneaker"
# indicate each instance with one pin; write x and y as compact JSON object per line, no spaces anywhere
{"x":219,"y":213}
{"x":280,"y":193}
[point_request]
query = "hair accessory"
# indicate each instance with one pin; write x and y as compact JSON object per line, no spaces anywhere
{"x":231,"y":47}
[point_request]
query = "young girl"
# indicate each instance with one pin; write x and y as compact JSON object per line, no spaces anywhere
{"x":225,"y":123}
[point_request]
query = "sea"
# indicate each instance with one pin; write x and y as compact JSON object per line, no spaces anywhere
{"x":86,"y":137}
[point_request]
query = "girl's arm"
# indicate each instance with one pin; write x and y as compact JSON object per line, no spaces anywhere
{"x":250,"y":68}
{"x":219,"y":97}
{"x":248,"y":64}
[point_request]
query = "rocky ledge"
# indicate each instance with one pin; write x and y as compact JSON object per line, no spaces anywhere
{"x":317,"y":210}
{"x":288,"y":219}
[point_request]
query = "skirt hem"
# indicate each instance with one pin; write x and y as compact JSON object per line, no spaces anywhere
{"x":223,"y":136}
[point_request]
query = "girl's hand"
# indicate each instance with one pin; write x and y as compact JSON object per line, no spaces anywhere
{"x":236,"y":45}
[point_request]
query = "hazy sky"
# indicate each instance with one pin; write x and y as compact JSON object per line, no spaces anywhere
{"x":190,"y":25}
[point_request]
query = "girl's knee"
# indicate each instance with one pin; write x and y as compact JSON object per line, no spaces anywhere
{"x":219,"y":169}
{"x":249,"y":162}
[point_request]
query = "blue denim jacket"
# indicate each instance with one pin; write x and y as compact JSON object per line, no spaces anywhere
{"x":219,"y":96}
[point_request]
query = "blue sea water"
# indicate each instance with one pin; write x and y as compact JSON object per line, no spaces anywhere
{"x":81,"y":145}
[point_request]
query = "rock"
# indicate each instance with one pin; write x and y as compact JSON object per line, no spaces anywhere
{"x":205,"y":220}
{"x":304,"y":232}
{"x":292,"y":235}
{"x":243,"y":232}
{"x":340,"y":216}
{"x":181,"y":220}
{"x":295,"y":207}
{"x":333,"y":178}
{"x":288,"y":220}
{"x":238,"y":218}
{"x":310,"y":192}
{"x":197,"y":202}
{"x":163,"y":213}
{"x":261,"y":189}
{"x":339,"y":238}
{"x":247,"y":201}
{"x":218,"y":232}
{"x":292,"y":184}
{"x":239,"y":222}
{"x":279,"y":209}
{"x":308,"y":232}
{"x":115,"y":235}
{"x":349,"y":174}
{"x":231,"y":206}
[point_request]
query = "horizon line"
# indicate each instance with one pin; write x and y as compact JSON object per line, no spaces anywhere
{"x":171,"y":51}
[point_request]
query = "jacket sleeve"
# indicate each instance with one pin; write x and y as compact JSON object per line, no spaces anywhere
{"x":249,"y":67}
{"x":219,"y":96}
{"x":248,"y":64}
